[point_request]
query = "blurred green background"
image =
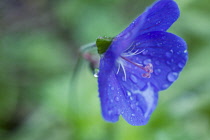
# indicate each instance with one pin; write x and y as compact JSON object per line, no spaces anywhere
{"x":39,"y":49}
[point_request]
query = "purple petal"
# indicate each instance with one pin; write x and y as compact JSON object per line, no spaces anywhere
{"x":108,"y":91}
{"x":125,"y":97}
{"x":158,"y":17}
{"x":137,"y":103}
{"x":165,"y":51}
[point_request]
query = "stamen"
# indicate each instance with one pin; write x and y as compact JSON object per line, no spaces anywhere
{"x":130,"y":53}
{"x":118,"y":68}
{"x":124,"y":71}
{"x":148,"y":68}
{"x":123,"y":68}
{"x":146,"y":75}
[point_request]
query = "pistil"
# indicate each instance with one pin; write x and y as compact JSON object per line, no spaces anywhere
{"x":148,"y":68}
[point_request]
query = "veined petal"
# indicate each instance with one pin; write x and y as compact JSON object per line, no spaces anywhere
{"x":139,"y":98}
{"x":165,"y":51}
{"x":125,"y":96}
{"x":158,"y":17}
{"x":108,"y":90}
{"x":138,"y":105}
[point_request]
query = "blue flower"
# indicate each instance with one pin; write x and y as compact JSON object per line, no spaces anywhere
{"x":141,"y":61}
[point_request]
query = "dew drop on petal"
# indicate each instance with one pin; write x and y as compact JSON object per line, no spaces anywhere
{"x":146,"y":61}
{"x":133,"y":115}
{"x":133,"y":79}
{"x":172,"y":76}
{"x":145,"y":52}
{"x":180,"y":65}
{"x":152,"y":53}
{"x":127,"y":35}
{"x":110,"y":112}
{"x":128,"y":93}
{"x":133,"y":106}
{"x":117,"y":98}
{"x":131,"y":98}
{"x":112,"y":88}
{"x":95,"y":73}
{"x":165,"y":86}
{"x":123,"y":78}
{"x":163,"y":37}
{"x":157,"y":71}
{"x":138,"y":43}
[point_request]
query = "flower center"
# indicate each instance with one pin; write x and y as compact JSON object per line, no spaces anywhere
{"x":148,"y":68}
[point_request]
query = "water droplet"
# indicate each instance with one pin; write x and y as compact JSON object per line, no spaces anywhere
{"x":159,"y":44}
{"x":128,"y":93}
{"x":110,"y":112}
{"x":133,"y":78}
{"x":185,"y":51}
{"x":131,"y":98}
{"x":181,"y":65}
{"x":165,"y":86}
{"x":133,"y":115}
{"x":172,"y":76}
{"x":138,"y":43}
{"x":127,"y":35}
{"x":95,"y":75}
{"x":157,"y":71}
{"x":146,"y":61}
{"x":117,"y":98}
{"x":133,"y":106}
{"x":145,"y":52}
{"x":131,"y":119}
{"x":96,"y":71}
{"x":112,"y":88}
{"x":158,"y":22}
{"x":178,"y":52}
{"x":152,"y":53}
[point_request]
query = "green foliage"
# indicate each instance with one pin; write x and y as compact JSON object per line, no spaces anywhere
{"x":39,"y":49}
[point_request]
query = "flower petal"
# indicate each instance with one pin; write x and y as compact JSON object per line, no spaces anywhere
{"x":125,"y":97}
{"x":108,"y":91}
{"x":137,"y":103}
{"x":165,"y":51}
{"x":158,"y":17}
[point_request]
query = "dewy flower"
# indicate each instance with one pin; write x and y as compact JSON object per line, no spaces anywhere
{"x":138,"y":63}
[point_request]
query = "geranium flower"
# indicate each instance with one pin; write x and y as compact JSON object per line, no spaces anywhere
{"x":138,"y":63}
